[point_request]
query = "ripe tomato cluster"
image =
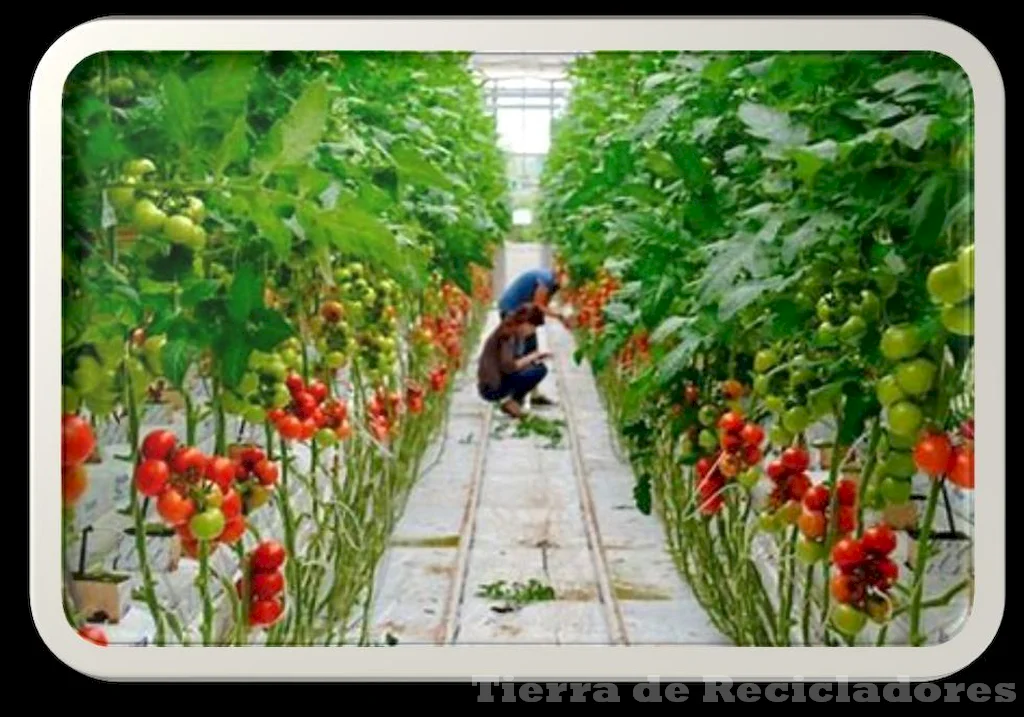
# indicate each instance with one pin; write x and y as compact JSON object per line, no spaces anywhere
{"x":438,"y":379}
{"x":200,"y":495}
{"x":815,"y":513}
{"x":382,"y":413}
{"x":937,"y":455}
{"x":311,"y":413}
{"x":636,"y":351}
{"x":77,"y":444}
{"x":790,"y":482}
{"x":414,"y":394}
{"x":737,"y":455}
{"x":864,"y":575}
{"x":264,"y":587}
{"x":590,"y":300}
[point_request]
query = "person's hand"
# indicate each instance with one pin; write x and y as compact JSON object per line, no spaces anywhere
{"x":541,"y":355}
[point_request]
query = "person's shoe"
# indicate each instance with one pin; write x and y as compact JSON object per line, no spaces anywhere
{"x":511,"y":408}
{"x":539,"y":399}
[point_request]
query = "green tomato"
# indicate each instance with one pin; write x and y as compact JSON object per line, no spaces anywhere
{"x":965,"y":265}
{"x":196,"y":210}
{"x":707,"y":440}
{"x":900,"y":464}
{"x":208,"y":524}
{"x":765,"y":360}
{"x":901,"y":342}
{"x":326,"y":437}
{"x":276,"y":369}
{"x":900,"y":443}
{"x":291,"y":358}
{"x":827,"y":334}
{"x":179,"y":229}
{"x":888,"y":390}
{"x":944,"y":284}
{"x":847,"y":619}
{"x":904,"y":418}
{"x":821,"y":404}
{"x":321,"y":346}
{"x":873,"y":498}
{"x":853,"y":330}
{"x":869,"y":307}
{"x":762,"y":384}
{"x":335,"y":360}
{"x":917,"y":376}
{"x":147,"y":216}
{"x":779,"y":436}
{"x":281,"y":396}
{"x":895,"y":491}
{"x":825,"y":308}
{"x":803,"y":301}
{"x":810,"y":551}
{"x":959,"y":318}
{"x":122,"y":198}
{"x":878,"y":608}
{"x":846,"y":275}
{"x":139,"y":167}
{"x":775,"y":404}
{"x":707,"y":415}
{"x":796,"y":419}
{"x":767,"y":522}
{"x":249,"y":383}
{"x":231,"y":403}
{"x":255,"y":415}
{"x":885,"y":280}
{"x":686,"y":448}
{"x":748,"y":478}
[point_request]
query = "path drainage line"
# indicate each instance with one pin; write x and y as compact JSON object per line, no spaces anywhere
{"x":613,"y":615}
{"x":466,"y":533}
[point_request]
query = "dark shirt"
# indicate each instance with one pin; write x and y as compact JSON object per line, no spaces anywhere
{"x":497,"y":359}
{"x":523,"y":288}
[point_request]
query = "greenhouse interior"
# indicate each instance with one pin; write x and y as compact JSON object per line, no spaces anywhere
{"x":619,"y":348}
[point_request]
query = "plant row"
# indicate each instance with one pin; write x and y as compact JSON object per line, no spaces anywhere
{"x":771,"y":259}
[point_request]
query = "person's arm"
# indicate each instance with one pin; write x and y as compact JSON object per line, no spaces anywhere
{"x":542,"y":297}
{"x":510,"y":364}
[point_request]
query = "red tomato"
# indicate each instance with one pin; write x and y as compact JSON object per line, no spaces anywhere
{"x":304,"y":404}
{"x":234,"y":529}
{"x":712,"y":505}
{"x":846,"y":492}
{"x":817,"y":497}
{"x":266,"y":472}
{"x":94,"y":635}
{"x":846,"y":589}
{"x":222,"y":471}
{"x":318,"y":390}
{"x":879,"y":539}
{"x":290,"y":427}
{"x":932,"y":454}
{"x":886,"y":572}
{"x":731,"y":442}
{"x":710,"y":486}
{"x":798,"y":486}
{"x":265,"y":612}
{"x":846,"y":518}
{"x":294,"y":383}
{"x":267,"y":585}
{"x":274,"y":415}
{"x":344,"y":430}
{"x":847,"y":554}
{"x":729,"y":465}
{"x":308,"y":430}
{"x":776,"y":470}
{"x":812,"y":524}
{"x":188,"y":461}
{"x":174,"y":507}
{"x":961,"y":467}
{"x":184,"y":531}
{"x":795,"y":459}
{"x":703,"y":467}
{"x":77,"y":439}
{"x":731,"y":422}
{"x":74,"y":482}
{"x":732,"y":388}
{"x":267,"y":556}
{"x":159,"y":444}
{"x":752,"y":434}
{"x":151,"y":476}
{"x":251,"y":456}
{"x":752,"y":454}
{"x":231,"y":504}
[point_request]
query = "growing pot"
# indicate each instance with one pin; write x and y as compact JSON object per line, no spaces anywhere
{"x":101,"y":597}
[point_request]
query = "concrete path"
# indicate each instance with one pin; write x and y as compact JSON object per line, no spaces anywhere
{"x":493,"y":506}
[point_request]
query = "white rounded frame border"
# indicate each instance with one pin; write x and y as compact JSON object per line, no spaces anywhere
{"x":500,"y":662}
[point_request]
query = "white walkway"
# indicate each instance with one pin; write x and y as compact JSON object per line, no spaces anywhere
{"x":493,"y":507}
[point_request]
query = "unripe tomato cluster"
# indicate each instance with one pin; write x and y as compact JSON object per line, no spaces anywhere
{"x":77,"y":444}
{"x":262,"y":387}
{"x":310,"y":413}
{"x":951,"y":286}
{"x":264,"y":584}
{"x":815,"y":515}
{"x":179,"y":220}
{"x":201,"y":496}
{"x":862,"y":578}
{"x":370,"y":326}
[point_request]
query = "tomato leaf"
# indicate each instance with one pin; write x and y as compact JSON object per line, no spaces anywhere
{"x":198,"y":290}
{"x":269,"y":328}
{"x":642,"y":493}
{"x":233,"y":147}
{"x":180,"y":115}
{"x":246,"y":292}
{"x":294,"y":136}
{"x":176,"y":357}
{"x":415,"y":168}
{"x":233,"y":356}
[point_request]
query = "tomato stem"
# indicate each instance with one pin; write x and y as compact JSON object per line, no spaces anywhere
{"x":921,"y":561}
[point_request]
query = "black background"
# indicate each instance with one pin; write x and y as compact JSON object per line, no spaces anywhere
{"x":995,"y":665}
